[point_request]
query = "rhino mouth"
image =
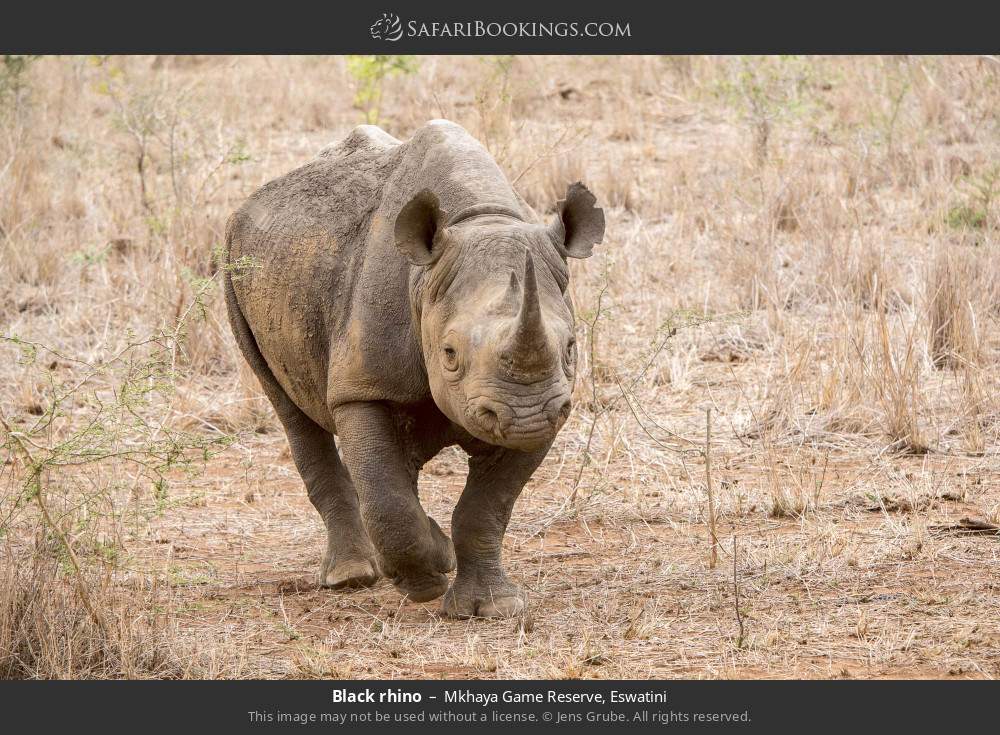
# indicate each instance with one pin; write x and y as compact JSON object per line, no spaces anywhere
{"x":517,"y":427}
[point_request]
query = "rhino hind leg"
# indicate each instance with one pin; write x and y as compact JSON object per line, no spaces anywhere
{"x":412,"y":550}
{"x":349,"y":559}
{"x":481,"y":587}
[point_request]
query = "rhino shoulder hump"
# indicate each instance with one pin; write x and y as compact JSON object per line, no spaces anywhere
{"x":363,"y":139}
{"x":445,"y":125}
{"x":437,"y":132}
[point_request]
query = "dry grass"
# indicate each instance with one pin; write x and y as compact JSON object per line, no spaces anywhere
{"x":822,"y":230}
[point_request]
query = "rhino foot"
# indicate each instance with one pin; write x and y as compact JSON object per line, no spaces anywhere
{"x":446,"y":558}
{"x":421,"y":577}
{"x":421,"y":587}
{"x":350,"y":573}
{"x":476,"y":599}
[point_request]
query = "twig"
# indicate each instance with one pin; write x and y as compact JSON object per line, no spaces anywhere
{"x":714,"y":559}
{"x":736,"y":592}
{"x":969,"y":526}
{"x":36,"y":479}
{"x":542,"y":156}
{"x":625,"y":391}
{"x":628,"y":402}
{"x":593,"y":388}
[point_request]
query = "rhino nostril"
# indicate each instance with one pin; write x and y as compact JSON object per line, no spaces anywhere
{"x":489,"y":419}
{"x":564,"y":410}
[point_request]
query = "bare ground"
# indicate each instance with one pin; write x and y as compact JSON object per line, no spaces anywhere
{"x":879,"y":579}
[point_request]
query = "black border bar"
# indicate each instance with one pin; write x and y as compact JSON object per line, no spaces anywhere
{"x":667,"y":27}
{"x":178,"y":707}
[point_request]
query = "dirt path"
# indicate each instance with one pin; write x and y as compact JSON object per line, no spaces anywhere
{"x":863,"y":585}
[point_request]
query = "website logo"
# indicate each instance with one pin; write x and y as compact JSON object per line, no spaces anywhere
{"x":390,"y":28}
{"x":387,"y":28}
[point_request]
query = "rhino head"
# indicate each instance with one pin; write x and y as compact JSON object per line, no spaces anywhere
{"x":495,"y":322}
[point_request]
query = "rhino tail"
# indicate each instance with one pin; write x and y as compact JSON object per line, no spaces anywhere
{"x":242,"y":332}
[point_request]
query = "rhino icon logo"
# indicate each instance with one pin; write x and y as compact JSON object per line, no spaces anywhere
{"x":387,"y":28}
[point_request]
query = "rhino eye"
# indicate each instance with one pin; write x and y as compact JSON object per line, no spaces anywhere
{"x":569,"y":349}
{"x":450,"y":358}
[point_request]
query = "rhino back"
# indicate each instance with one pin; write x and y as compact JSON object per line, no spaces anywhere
{"x":319,"y":279}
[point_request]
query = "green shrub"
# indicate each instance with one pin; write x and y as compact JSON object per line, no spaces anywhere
{"x":964,"y":217}
{"x":369,"y":73}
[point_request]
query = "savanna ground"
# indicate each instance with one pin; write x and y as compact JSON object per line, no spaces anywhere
{"x":805,"y":246}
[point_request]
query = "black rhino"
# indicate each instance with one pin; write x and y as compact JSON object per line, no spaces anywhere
{"x":402,"y":296}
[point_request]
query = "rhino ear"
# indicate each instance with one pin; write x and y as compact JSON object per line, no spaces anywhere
{"x":419,"y":227}
{"x":580,"y":225}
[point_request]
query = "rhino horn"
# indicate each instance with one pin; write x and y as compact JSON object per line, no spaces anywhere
{"x":512,"y":296}
{"x":529,"y":343}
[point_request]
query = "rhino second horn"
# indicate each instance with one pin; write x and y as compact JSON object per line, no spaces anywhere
{"x":512,"y":296}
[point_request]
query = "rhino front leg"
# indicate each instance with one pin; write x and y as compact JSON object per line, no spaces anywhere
{"x":481,"y":588}
{"x":413,"y":551}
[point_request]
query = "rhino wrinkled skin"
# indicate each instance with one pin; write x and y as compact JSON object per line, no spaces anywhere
{"x":402,"y":296}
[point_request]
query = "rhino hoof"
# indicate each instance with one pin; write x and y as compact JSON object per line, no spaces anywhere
{"x":459,"y":606}
{"x":350,"y":573}
{"x":424,"y":588}
{"x":504,"y":607}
